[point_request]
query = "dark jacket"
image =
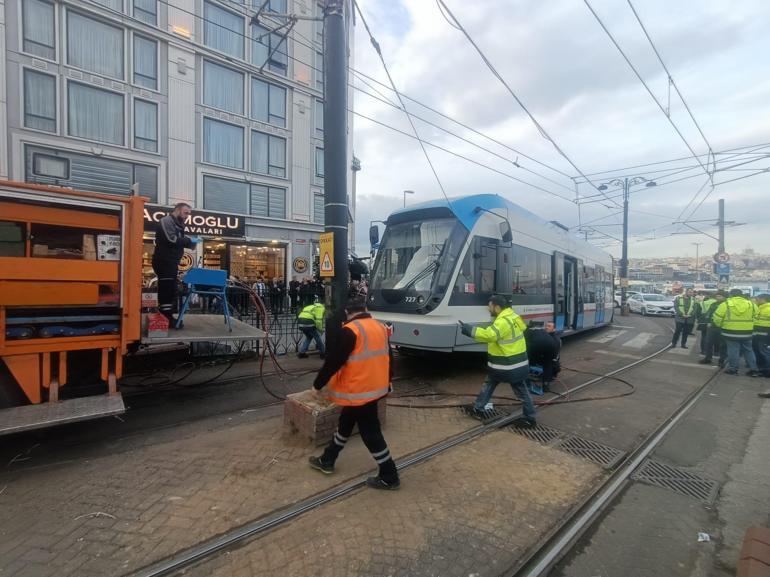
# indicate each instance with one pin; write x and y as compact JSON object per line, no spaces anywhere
{"x":170,"y":241}
{"x":338,"y":350}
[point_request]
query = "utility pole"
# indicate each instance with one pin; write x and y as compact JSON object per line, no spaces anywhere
{"x":335,"y":144}
{"x":721,"y":225}
{"x":697,"y":260}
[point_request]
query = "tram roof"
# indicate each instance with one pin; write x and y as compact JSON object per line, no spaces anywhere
{"x":463,"y":208}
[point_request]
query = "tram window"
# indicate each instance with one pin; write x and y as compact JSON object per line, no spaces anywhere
{"x":526,"y":277}
{"x":545,"y":274}
{"x":590,"y":285}
{"x":478,"y":272}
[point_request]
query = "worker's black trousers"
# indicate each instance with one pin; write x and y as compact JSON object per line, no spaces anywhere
{"x":681,"y":329}
{"x":365,"y":416}
{"x":166,"y":273}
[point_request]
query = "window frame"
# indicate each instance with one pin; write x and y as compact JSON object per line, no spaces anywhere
{"x":270,"y":188}
{"x":90,"y":16}
{"x":133,"y":13}
{"x":244,"y":148}
{"x":269,"y":101}
{"x":269,"y":163}
{"x":56,"y":31}
{"x":57,"y":101}
{"x":133,"y":82}
{"x":134,"y":100}
{"x":244,"y":88}
{"x":316,"y":116}
{"x":315,"y":161}
{"x":126,"y":113}
{"x":241,"y":34}
{"x":36,"y":155}
{"x":216,"y":176}
{"x":322,"y":220}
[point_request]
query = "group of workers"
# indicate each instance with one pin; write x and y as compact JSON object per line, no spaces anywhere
{"x":731,"y":325}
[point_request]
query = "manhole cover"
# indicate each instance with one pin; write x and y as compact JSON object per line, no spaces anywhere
{"x":600,"y":454}
{"x":677,"y":479}
{"x":539,"y":433}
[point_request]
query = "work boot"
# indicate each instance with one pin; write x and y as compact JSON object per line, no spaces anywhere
{"x":731,"y":372}
{"x":524,"y":423}
{"x":765,"y":395}
{"x":753,"y":373}
{"x":704,"y":362}
{"x":380,"y":483}
{"x":684,"y":346}
{"x":317,"y":464}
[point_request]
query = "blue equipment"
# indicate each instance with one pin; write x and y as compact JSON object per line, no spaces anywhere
{"x":203,"y":281}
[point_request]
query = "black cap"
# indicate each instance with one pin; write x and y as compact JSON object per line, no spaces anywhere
{"x":499,"y":300}
{"x":736,"y":292}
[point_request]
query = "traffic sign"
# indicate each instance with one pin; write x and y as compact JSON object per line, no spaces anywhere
{"x":721,"y":257}
{"x":723,"y":268}
{"x":326,"y":243}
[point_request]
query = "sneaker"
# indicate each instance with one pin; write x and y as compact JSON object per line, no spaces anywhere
{"x":301,"y":355}
{"x":380,"y":483}
{"x":523,"y":423}
{"x":704,"y":362}
{"x":753,"y":373}
{"x":475,"y":413}
{"x":317,"y":464}
{"x":731,"y":372}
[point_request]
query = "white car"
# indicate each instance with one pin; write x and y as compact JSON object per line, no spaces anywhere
{"x":629,"y":294}
{"x":651,"y":304}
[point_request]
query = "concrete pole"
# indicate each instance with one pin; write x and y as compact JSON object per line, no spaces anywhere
{"x":721,"y":224}
{"x":624,"y":258}
{"x":335,"y":145}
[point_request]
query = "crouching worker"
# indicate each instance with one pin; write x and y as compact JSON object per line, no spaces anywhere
{"x":358,"y":369}
{"x":506,"y":358}
{"x":311,"y":322}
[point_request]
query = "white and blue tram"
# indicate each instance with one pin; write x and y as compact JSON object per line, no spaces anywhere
{"x":440,"y":261}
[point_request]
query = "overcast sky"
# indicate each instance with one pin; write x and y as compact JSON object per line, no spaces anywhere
{"x":564,"y":68}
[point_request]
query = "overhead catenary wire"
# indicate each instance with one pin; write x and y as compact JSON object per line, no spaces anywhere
{"x":510,"y":90}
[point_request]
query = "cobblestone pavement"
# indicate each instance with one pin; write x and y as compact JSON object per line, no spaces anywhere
{"x":473,"y":510}
{"x":112,"y":514}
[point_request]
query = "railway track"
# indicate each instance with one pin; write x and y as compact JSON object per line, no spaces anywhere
{"x":538,"y":562}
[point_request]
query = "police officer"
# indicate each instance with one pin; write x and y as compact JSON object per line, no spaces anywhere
{"x":170,"y":242}
{"x":358,"y":368}
{"x":761,"y":339}
{"x":507,"y":360}
{"x":735,"y":317}
{"x":311,"y":322}
{"x":685,"y":313}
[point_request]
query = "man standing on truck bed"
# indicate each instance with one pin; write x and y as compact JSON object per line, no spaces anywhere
{"x":170,"y":242}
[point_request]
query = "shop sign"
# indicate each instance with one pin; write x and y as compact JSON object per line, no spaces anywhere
{"x":300,"y":264}
{"x":199,"y":221}
{"x":327,"y":254}
{"x":187,"y":261}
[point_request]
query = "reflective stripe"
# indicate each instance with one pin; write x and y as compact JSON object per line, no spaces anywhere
{"x":508,"y":367}
{"x":382,"y":460}
{"x":366,"y":353}
{"x":369,"y":395}
{"x":494,"y":328}
{"x":380,"y":453}
{"x":511,"y":341}
{"x":737,"y":335}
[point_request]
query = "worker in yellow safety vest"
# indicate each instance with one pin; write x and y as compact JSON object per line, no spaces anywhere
{"x":735,"y":318}
{"x":686,"y":310}
{"x":703,"y":321}
{"x":358,"y":369}
{"x":310,"y":322}
{"x":507,"y":360}
{"x":761,"y":339}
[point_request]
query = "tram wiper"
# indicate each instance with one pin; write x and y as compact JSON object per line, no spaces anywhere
{"x":429,"y":269}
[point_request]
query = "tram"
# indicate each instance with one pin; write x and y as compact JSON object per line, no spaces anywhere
{"x":440,"y":261}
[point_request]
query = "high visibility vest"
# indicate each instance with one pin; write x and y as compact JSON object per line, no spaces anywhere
{"x":312,"y":314}
{"x":762,"y":322}
{"x":506,"y":347}
{"x":365,"y":377}
{"x":735,"y":317}
{"x":680,"y":306}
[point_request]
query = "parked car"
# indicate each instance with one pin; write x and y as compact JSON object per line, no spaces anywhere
{"x":629,"y":294}
{"x":651,"y":304}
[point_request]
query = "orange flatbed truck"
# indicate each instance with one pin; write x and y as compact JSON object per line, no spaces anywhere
{"x":70,"y":283}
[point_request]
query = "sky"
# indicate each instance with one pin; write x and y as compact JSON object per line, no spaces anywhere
{"x":564,"y":68}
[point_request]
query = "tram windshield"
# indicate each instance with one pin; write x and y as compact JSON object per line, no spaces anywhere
{"x":412,"y":255}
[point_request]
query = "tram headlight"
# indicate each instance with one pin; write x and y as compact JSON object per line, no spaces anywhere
{"x":420,"y":300}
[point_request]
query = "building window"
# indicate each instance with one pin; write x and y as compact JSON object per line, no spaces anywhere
{"x":268,"y":154}
{"x":39,"y":101}
{"x":277,"y":6}
{"x":146,"y":11}
{"x":318,"y":24}
{"x":145,"y":62}
{"x":94,"y":46}
{"x":222,"y":88}
{"x":222,"y":194}
{"x":145,"y":125}
{"x":222,"y":143}
{"x":268,"y":201}
{"x":223,"y":30}
{"x":269,"y":47}
{"x":268,"y":103}
{"x":319,"y":162}
{"x":50,"y":166}
{"x":318,"y":208}
{"x":319,"y":71}
{"x":39,"y":37}
{"x":95,"y":114}
{"x":319,"y":119}
{"x":116,"y":5}
{"x":147,"y":179}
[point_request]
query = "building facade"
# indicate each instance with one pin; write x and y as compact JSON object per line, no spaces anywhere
{"x":211,"y":102}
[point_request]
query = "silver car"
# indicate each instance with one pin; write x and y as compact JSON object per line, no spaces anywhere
{"x":651,"y":304}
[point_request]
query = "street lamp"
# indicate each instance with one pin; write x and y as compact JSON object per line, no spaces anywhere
{"x":405,"y":193}
{"x":626,"y":183}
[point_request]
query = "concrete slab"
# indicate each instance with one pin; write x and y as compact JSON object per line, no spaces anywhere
{"x":203,"y":328}
{"x":30,"y":417}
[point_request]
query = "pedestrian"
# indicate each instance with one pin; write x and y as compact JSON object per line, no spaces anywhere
{"x":703,"y":321}
{"x":685,"y":313}
{"x":506,"y":359}
{"x":761,"y":339}
{"x":543,"y":350}
{"x":358,"y":368}
{"x":277,"y":293}
{"x":170,"y":242}
{"x":311,"y":323}
{"x":735,"y":317}
{"x":294,"y":285}
{"x":714,"y":343}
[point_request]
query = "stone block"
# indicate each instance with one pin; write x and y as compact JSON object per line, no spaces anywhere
{"x":316,"y":420}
